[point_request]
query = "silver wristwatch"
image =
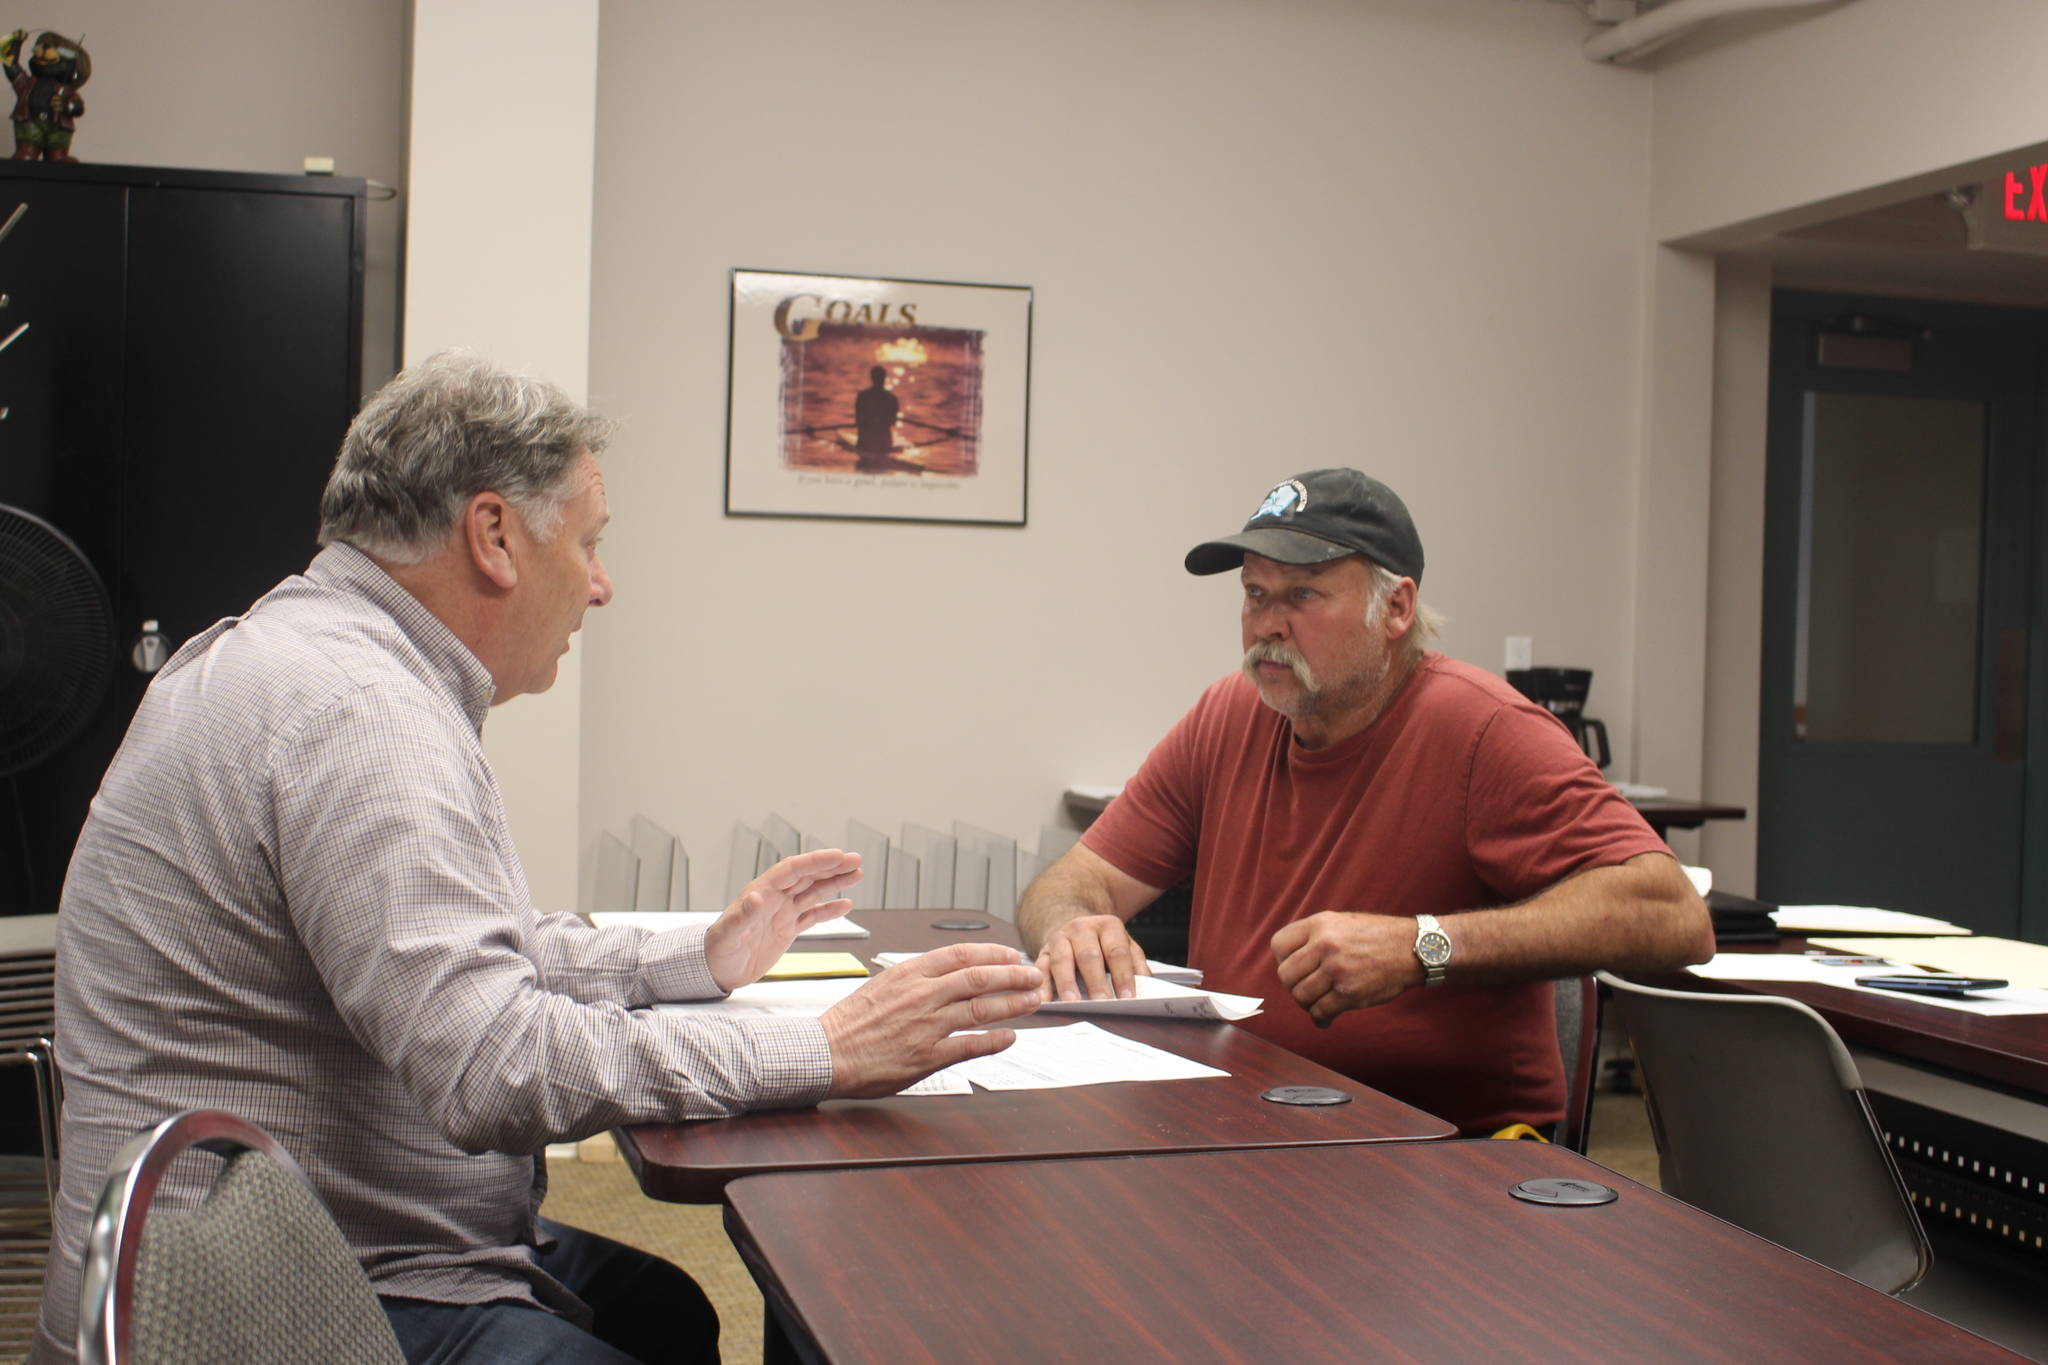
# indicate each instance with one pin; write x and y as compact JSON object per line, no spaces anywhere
{"x":1433,"y":948}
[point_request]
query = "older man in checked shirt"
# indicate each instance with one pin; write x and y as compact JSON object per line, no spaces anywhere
{"x":296,"y":898}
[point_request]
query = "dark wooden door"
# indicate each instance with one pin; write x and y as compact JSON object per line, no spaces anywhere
{"x":1903,"y":446}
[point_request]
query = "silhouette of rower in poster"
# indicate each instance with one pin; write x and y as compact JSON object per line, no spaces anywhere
{"x":874,"y":416}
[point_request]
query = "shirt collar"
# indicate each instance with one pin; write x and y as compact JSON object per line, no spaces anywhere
{"x":463,"y":675}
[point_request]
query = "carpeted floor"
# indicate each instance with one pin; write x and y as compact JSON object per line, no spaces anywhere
{"x":601,"y":1197}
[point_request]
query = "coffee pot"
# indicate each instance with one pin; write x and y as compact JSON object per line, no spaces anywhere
{"x":1562,"y":692}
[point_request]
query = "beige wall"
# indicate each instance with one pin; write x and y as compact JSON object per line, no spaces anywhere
{"x":503,"y":110}
{"x":1795,"y":118}
{"x":1734,"y":671}
{"x":254,"y":85}
{"x":1406,"y":234}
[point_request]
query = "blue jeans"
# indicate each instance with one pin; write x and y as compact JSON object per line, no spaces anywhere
{"x":648,"y":1312}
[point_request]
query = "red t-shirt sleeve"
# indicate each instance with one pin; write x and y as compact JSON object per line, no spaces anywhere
{"x":1151,"y":831}
{"x":1537,"y":810}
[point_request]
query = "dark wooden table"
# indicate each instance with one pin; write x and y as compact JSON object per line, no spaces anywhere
{"x":692,"y":1162}
{"x":2009,"y":1050}
{"x":1409,"y":1251}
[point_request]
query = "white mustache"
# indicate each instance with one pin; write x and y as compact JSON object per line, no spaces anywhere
{"x":1273,"y":652}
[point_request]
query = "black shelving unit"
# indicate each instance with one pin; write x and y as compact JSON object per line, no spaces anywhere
{"x":192,"y":358}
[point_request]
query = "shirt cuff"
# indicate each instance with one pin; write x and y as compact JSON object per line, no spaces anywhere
{"x":795,"y":1062}
{"x":673,"y":967}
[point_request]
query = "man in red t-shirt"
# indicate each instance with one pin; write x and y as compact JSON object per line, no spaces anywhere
{"x":1363,"y":817}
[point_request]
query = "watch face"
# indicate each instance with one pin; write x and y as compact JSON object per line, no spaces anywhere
{"x":1433,"y":947}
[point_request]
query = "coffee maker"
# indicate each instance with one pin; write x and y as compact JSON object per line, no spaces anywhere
{"x":1562,"y":692}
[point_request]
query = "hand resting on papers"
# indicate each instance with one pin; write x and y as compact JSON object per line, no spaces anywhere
{"x":1093,"y":957}
{"x":897,"y":1029}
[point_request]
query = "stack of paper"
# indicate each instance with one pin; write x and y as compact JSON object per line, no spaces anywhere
{"x":803,"y":966}
{"x":805,"y":998}
{"x":1158,"y":997}
{"x":1050,"y":1058}
{"x":2023,"y":964}
{"x":1857,"y":919}
{"x":1165,"y":971}
{"x":2018,"y":998}
{"x":683,"y":919}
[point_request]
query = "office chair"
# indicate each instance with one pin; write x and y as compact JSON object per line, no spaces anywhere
{"x":256,"y":1273}
{"x":1760,"y":1118}
{"x":1578,"y":1040}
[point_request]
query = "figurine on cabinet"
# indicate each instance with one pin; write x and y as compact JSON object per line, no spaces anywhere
{"x":46,"y":102}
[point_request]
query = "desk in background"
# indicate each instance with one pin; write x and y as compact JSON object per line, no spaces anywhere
{"x":1411,"y":1251}
{"x":1666,"y":813}
{"x":692,"y":1162}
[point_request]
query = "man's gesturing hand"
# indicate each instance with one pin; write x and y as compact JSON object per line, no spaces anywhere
{"x":895,"y":1030}
{"x":776,"y":906}
{"x":1093,"y":958}
{"x":1335,"y":962}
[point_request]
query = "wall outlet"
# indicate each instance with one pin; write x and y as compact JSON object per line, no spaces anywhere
{"x":1520,"y":652}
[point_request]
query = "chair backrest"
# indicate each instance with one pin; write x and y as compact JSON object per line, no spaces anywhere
{"x":873,"y":846}
{"x":1760,"y":1118}
{"x":905,"y":875}
{"x":615,"y":885}
{"x":256,"y":1273}
{"x":743,"y":860}
{"x":658,"y":853}
{"x":1001,"y":852}
{"x":1578,"y":1042}
{"x":970,"y":880}
{"x":934,"y":853}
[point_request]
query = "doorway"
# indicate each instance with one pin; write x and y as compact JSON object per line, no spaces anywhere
{"x":1902,"y":586}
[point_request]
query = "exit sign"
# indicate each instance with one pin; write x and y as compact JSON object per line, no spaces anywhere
{"x":2026,"y":200}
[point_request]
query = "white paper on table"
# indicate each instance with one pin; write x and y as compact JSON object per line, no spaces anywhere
{"x":1792,"y":967}
{"x":1161,"y":971}
{"x":939,"y":1083}
{"x":2023,"y":964}
{"x":659,"y":920}
{"x":1158,"y":999}
{"x":787,"y":999}
{"x":1075,"y":1054}
{"x":1857,"y":919}
{"x":1787,"y":967}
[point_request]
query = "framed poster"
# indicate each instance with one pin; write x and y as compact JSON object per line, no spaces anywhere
{"x":900,"y":400}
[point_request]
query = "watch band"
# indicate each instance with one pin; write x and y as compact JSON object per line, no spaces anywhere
{"x":1432,"y":949}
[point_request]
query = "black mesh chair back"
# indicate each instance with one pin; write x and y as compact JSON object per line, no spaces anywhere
{"x":257,"y":1273}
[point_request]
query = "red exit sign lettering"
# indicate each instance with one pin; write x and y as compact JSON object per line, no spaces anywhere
{"x":2027,"y":201}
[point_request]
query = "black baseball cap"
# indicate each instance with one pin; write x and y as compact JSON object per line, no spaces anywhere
{"x":1319,"y":516}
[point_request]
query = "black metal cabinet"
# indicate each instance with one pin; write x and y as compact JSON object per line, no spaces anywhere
{"x":192,"y":358}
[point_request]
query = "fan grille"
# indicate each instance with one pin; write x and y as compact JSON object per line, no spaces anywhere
{"x":56,"y":640}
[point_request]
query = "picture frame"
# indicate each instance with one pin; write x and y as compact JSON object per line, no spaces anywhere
{"x":878,"y":399}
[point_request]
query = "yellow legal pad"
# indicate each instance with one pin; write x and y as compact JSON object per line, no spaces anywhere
{"x":804,"y":966}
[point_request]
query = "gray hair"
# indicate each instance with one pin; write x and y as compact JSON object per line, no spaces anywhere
{"x":1428,"y":620}
{"x":443,"y":431}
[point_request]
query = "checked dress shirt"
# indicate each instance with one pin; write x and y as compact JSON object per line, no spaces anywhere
{"x":296,"y":898}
